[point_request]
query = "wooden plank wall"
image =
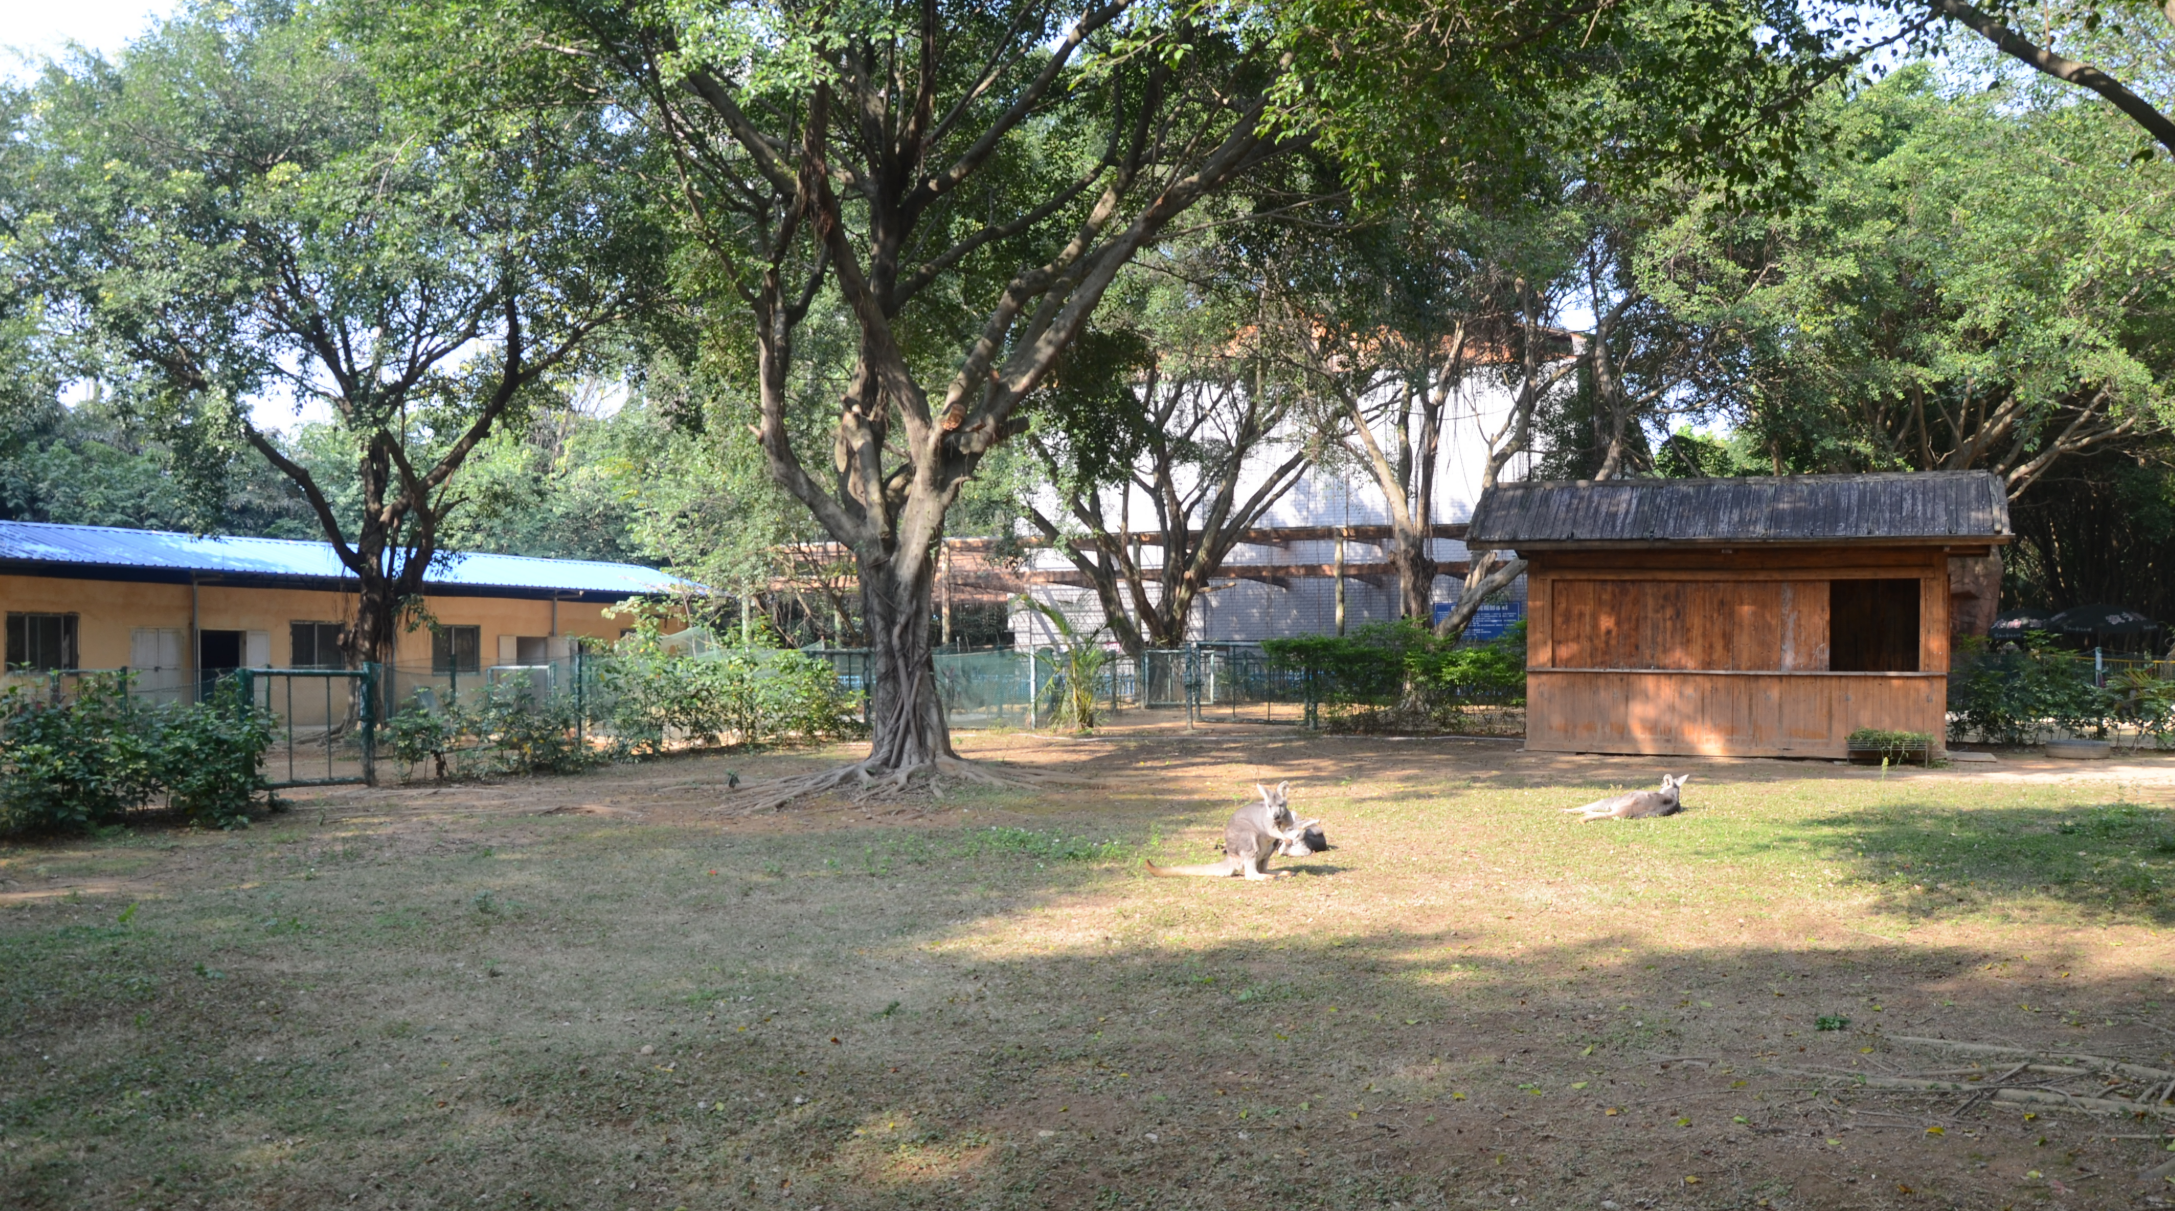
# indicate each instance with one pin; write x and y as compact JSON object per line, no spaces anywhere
{"x":1725,"y":714}
{"x":1718,"y":654}
{"x":1763,"y":625}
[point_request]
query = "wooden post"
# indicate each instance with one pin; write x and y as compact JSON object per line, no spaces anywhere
{"x":1340,"y":581}
{"x":944,"y":575}
{"x":1540,"y":647}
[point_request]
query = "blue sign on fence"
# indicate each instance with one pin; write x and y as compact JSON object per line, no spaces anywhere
{"x":1489,"y":621}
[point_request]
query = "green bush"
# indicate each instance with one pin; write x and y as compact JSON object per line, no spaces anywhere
{"x":2020,"y":694}
{"x":630,"y":703}
{"x":210,"y":757}
{"x":755,"y":695}
{"x":2143,"y":699}
{"x":1401,"y":667}
{"x":511,"y":728}
{"x":531,"y":731}
{"x":422,"y":730}
{"x":1493,"y":673}
{"x":74,"y":764}
{"x":1364,"y":668}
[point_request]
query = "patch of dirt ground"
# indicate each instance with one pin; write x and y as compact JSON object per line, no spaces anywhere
{"x":623,"y":989}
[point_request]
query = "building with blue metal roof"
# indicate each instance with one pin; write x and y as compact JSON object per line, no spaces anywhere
{"x":102,"y":597}
{"x":158,"y":557}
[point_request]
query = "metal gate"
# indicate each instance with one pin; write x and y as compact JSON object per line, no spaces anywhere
{"x":323,"y":723}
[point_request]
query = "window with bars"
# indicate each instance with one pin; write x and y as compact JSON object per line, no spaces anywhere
{"x":316,"y":645}
{"x":41,"y":641}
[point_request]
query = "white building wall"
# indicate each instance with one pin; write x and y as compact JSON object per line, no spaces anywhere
{"x":1327,"y":494}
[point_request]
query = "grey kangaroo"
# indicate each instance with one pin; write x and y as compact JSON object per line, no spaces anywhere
{"x":1258,"y":832}
{"x":1638,"y":805}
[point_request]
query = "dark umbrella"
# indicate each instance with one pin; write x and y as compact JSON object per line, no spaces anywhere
{"x":2012,"y":624}
{"x":2102,"y":621}
{"x":2104,"y":625}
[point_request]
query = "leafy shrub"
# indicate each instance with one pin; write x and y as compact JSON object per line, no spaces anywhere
{"x":2020,"y":694}
{"x":1893,"y":745}
{"x":513,"y":728}
{"x":1401,"y":673}
{"x":210,"y":757}
{"x":642,"y":697}
{"x":75,"y":764}
{"x":1079,"y":664}
{"x":531,"y":731}
{"x":646,"y":693}
{"x":420,"y":730}
{"x":2145,"y":700}
{"x":1366,"y":667}
{"x":1493,"y":672}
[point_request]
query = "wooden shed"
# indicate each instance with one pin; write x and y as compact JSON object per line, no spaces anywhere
{"x":1762,"y":616}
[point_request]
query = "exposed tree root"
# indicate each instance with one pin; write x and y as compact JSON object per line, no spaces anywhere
{"x":871,"y":782}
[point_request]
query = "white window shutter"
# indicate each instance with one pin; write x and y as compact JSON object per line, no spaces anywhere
{"x":154,"y":648}
{"x":258,"y":653}
{"x":509,"y":649}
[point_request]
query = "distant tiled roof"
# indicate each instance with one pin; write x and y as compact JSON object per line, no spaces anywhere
{"x":109,"y":553}
{"x":1886,"y":507}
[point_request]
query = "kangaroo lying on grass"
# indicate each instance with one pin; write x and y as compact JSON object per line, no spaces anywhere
{"x":1638,"y":805}
{"x":1258,"y":832}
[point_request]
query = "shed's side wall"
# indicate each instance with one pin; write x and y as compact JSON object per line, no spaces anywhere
{"x":1659,"y":652}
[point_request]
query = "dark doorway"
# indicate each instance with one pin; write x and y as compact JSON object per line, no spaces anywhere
{"x":219,"y":651}
{"x":1873,"y":626}
{"x":217,"y":654}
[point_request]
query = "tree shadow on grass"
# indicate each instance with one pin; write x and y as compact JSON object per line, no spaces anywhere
{"x":1930,"y":861}
{"x":1002,"y":1017}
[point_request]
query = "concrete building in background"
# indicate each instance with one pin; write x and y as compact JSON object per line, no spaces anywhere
{"x":1257,"y":603}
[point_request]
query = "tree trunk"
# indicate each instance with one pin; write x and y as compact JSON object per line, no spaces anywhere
{"x":907,"y":728}
{"x":1411,"y":551}
{"x":371,"y":639}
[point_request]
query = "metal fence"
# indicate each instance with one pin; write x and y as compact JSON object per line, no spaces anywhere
{"x":323,"y":721}
{"x":407,"y":685}
{"x":1019,"y":687}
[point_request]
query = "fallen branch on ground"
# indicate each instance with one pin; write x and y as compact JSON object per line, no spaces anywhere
{"x":2004,"y":1093}
{"x":2091,"y":1063}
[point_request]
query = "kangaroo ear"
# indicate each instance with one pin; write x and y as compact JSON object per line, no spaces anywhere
{"x":1264,"y":791}
{"x":1282,"y":789}
{"x":1683,"y":778}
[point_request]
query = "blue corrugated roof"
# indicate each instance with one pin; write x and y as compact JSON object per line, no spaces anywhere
{"x":155,"y":550}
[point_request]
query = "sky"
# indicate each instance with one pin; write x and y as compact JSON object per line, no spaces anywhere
{"x":34,"y":29}
{"x":31,"y":30}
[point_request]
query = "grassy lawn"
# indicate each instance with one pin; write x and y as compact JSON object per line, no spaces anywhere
{"x":615,"y":991}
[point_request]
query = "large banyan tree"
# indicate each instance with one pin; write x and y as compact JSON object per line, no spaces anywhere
{"x":955,"y":186}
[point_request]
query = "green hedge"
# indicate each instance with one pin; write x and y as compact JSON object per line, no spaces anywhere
{"x":84,"y":761}
{"x":630,"y":701}
{"x":754,"y":695}
{"x":1403,"y":668}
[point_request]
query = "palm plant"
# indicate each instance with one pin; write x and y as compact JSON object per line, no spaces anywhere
{"x":1080,"y":662}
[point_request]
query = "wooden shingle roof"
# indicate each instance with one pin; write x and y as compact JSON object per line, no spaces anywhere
{"x":1888,"y":507}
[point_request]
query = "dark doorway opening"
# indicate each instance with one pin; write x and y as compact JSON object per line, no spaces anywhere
{"x":217,"y":654}
{"x":219,"y":651}
{"x":1873,"y":626}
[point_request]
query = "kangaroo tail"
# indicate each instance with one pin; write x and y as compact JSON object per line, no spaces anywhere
{"x":1214,"y":870}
